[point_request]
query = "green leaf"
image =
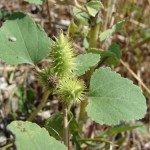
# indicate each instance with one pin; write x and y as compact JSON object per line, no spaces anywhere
{"x":54,"y":125}
{"x":83,"y":17}
{"x":115,"y":48}
{"x":108,"y":57}
{"x":105,"y":35}
{"x":4,"y":14}
{"x":85,"y":43}
{"x":108,"y":33}
{"x":22,"y":41}
{"x":72,"y":27}
{"x":30,"y":95}
{"x":73,"y":124}
{"x":118,"y":26}
{"x":114,"y":99}
{"x":122,"y":128}
{"x":85,"y":61}
{"x":93,"y":7}
{"x":38,"y":2}
{"x":112,"y":55}
{"x":29,"y":136}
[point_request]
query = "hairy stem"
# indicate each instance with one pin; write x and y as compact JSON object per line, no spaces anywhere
{"x":43,"y":101}
{"x":94,"y":33}
{"x":66,"y":127}
{"x":82,"y":114}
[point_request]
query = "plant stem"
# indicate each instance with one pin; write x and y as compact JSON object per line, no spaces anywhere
{"x":66,"y":127}
{"x":94,"y":33}
{"x":82,"y":114}
{"x":43,"y":101}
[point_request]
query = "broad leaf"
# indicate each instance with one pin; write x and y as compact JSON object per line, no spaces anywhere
{"x":108,"y":57}
{"x":108,"y":33}
{"x":118,"y":26}
{"x":29,"y":136}
{"x":85,"y":61}
{"x":22,"y":41}
{"x":93,"y":7}
{"x":83,"y":17}
{"x":114,"y":99}
{"x":112,"y":55}
{"x":38,"y":2}
{"x":115,"y":48}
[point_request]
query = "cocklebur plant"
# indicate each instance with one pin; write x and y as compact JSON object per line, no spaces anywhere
{"x":71,"y":91}
{"x":62,"y":57}
{"x":67,"y":86}
{"x":112,"y":98}
{"x":61,"y":73}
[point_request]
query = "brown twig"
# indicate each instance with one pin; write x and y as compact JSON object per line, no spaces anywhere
{"x":107,"y":15}
{"x":113,"y":12}
{"x":48,"y":11}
